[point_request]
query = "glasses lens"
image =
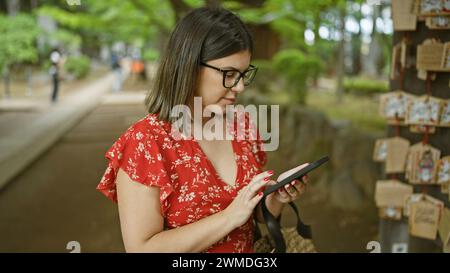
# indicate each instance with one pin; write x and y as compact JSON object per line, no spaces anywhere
{"x":231,"y":78}
{"x":249,"y":76}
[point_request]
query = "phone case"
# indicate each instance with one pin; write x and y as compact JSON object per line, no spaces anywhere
{"x":295,"y":173}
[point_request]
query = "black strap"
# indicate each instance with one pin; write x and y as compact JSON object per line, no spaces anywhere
{"x":274,"y":227}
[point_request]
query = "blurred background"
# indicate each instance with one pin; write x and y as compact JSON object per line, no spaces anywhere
{"x":75,"y":73}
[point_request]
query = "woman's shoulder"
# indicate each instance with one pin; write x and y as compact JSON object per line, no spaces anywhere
{"x":147,"y":128}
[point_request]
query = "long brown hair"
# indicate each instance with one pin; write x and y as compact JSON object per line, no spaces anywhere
{"x":202,"y":35}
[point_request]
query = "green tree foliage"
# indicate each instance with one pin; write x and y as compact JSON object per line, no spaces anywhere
{"x":130,"y":21}
{"x":296,"y":68}
{"x":17,"y":40}
{"x":78,"y":66}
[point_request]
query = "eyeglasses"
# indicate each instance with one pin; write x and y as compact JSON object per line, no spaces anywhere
{"x":231,"y":77}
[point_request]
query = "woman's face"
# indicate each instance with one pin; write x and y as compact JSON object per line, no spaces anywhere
{"x":210,"y":87}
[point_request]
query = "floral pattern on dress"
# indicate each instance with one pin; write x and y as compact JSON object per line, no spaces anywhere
{"x":190,"y":188}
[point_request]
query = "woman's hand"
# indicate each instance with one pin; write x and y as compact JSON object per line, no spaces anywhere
{"x":291,"y":191}
{"x":243,"y":205}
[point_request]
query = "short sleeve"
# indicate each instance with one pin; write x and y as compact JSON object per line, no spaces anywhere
{"x":137,"y":154}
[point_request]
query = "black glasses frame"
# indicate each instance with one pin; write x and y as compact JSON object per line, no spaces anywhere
{"x":241,"y":74}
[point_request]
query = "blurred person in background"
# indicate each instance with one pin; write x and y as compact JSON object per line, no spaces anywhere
{"x":116,"y":66}
{"x":138,"y":67}
{"x":55,"y":60}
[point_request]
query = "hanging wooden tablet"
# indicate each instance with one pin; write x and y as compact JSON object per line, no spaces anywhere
{"x":422,"y":129}
{"x":444,"y":188}
{"x":430,"y":55}
{"x":380,"y":150}
{"x":409,"y":199}
{"x":423,"y":110}
{"x":446,"y":6}
{"x":424,"y":220}
{"x":415,"y":8}
{"x":443,"y":170}
{"x":397,"y":151}
{"x":433,"y":7}
{"x":444,"y":230}
{"x":421,"y":164}
{"x":440,"y":22}
{"x":416,"y":197}
{"x":393,"y":106}
{"x":391,"y":193}
{"x":403,"y":16}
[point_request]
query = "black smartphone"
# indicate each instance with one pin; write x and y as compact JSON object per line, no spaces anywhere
{"x":297,"y":175}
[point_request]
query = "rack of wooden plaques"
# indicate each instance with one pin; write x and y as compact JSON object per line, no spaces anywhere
{"x":413,"y":197}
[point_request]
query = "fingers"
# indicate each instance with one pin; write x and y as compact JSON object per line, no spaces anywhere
{"x":305,"y":179}
{"x":283,"y":194}
{"x":261,"y":176}
{"x":271,"y":182}
{"x":255,"y":188}
{"x":300,"y":187}
{"x":255,"y":200}
{"x":290,"y":189}
{"x":258,"y":181}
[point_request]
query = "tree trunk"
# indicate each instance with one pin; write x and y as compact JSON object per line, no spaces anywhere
{"x":29,"y":76}
{"x":13,"y":7}
{"x":34,"y":4}
{"x":375,"y":49}
{"x":340,"y":62}
{"x":6,"y":81}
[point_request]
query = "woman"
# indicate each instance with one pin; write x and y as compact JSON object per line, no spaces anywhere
{"x":192,"y":195}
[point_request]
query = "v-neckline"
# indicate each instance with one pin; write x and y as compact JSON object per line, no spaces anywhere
{"x":209,"y":163}
{"x":213,"y":169}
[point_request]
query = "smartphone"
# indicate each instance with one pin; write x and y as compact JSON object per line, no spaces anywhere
{"x":296,"y":175}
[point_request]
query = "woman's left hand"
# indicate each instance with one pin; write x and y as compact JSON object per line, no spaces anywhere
{"x":289,"y":192}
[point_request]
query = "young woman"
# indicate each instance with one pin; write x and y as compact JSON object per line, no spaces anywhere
{"x":193,"y":195}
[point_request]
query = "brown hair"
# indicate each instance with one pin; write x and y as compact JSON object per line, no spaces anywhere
{"x":203,"y":34}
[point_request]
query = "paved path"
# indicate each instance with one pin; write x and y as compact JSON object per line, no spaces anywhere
{"x":54,"y":201}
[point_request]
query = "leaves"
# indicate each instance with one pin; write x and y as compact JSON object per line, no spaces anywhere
{"x":115,"y":20}
{"x":17,"y":39}
{"x":297,"y":67}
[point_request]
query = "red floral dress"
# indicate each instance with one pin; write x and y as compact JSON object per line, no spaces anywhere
{"x":190,"y":188}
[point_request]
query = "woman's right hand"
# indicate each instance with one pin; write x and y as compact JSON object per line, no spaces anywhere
{"x":246,"y":200}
